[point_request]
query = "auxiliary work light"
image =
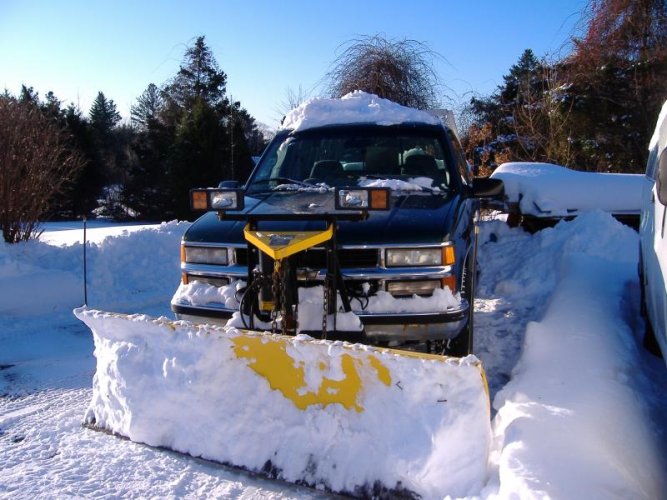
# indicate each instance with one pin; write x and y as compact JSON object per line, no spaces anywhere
{"x":220,"y":199}
{"x":362,"y":198}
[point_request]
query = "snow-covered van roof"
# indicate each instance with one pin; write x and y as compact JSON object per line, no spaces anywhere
{"x":355,"y":107}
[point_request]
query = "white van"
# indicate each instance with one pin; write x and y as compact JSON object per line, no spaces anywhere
{"x":653,"y":240}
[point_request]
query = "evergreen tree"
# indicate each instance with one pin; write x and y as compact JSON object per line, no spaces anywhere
{"x":103,"y":115}
{"x":507,"y":122}
{"x":147,"y":108}
{"x":112,"y":156}
{"x":188,"y":134}
{"x":209,"y":141}
{"x":198,"y":79}
{"x":81,"y":199}
{"x":197,"y":158}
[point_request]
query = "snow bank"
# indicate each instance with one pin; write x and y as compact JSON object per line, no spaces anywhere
{"x":355,"y":107}
{"x":338,"y":416}
{"x":547,"y":190}
{"x":569,"y":421}
{"x":126,"y":270}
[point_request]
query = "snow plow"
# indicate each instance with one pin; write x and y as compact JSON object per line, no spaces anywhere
{"x":325,"y":331}
{"x":329,"y":414}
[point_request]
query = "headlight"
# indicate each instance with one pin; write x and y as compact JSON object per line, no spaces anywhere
{"x":408,"y":257}
{"x":206,"y":255}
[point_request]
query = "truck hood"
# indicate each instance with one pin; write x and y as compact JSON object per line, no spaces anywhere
{"x":413,"y":218}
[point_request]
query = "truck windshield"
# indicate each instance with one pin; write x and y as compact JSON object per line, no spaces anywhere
{"x":328,"y":158}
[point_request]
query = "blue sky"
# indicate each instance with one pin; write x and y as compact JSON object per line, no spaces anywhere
{"x":76,"y":47}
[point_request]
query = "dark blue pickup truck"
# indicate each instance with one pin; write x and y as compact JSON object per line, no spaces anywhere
{"x":398,"y":262}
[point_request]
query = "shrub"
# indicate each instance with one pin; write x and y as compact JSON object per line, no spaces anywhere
{"x":35,"y":164}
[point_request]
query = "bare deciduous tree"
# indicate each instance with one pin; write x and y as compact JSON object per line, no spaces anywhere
{"x":35,"y":164}
{"x":401,"y":71}
{"x":293,"y":99}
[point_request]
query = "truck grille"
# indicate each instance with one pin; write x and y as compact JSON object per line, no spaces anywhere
{"x":315,"y":258}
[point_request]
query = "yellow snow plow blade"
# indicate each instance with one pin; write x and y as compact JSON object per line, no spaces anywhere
{"x":343,"y":417}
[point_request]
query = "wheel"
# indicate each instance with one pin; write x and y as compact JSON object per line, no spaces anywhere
{"x":462,"y":344}
{"x":649,"y":341}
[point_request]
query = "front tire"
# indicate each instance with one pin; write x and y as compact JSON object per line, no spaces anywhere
{"x":650,"y":342}
{"x":462,"y":344}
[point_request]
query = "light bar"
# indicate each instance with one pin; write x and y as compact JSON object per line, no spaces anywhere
{"x":362,"y":198}
{"x":220,"y":199}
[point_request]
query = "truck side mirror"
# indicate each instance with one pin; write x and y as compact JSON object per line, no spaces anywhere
{"x":486,"y":187}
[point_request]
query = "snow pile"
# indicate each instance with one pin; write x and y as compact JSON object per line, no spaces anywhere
{"x":355,"y":107}
{"x":27,"y":288}
{"x":547,"y":190}
{"x":126,"y":270}
{"x":334,"y":415}
{"x":567,"y":422}
{"x":571,"y":419}
{"x":413,"y":184}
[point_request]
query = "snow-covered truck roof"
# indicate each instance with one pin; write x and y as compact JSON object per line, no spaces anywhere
{"x":355,"y":108}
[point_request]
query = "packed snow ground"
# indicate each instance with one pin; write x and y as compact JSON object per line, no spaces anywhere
{"x":580,"y":410}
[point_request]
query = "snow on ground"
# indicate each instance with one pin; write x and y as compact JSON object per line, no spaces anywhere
{"x":580,"y":410}
{"x":547,"y":190}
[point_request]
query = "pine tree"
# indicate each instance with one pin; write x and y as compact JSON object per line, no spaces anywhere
{"x":147,"y":108}
{"x":198,"y":157}
{"x":103,"y":115}
{"x":209,"y":141}
{"x":513,"y":117}
{"x":199,"y":78}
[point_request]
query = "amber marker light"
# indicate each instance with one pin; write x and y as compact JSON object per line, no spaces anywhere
{"x":198,"y":199}
{"x":379,"y":199}
{"x":448,"y":256}
{"x":449,"y":281}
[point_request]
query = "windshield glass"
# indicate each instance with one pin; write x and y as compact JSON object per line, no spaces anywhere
{"x":350,"y":157}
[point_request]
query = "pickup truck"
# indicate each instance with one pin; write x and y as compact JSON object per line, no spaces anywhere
{"x":408,"y":270}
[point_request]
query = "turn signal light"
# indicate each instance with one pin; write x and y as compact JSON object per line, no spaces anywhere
{"x":448,"y":255}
